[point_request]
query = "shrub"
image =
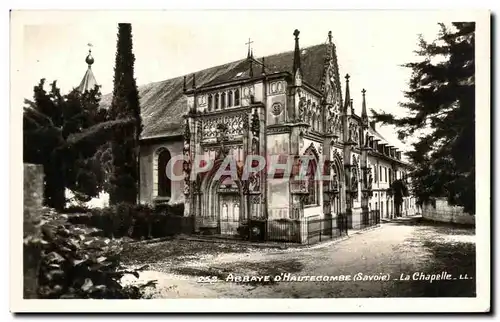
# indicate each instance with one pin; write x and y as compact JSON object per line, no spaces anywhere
{"x":75,"y":209}
{"x":137,"y":221}
{"x":74,"y":265}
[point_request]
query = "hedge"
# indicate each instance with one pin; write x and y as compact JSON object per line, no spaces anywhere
{"x":137,"y":221}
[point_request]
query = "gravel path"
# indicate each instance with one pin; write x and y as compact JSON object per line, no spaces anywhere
{"x":404,"y":247}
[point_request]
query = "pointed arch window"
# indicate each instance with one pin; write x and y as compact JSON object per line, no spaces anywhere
{"x":223,"y":100}
{"x":230,"y":99}
{"x":237,"y":97}
{"x":210,"y":98}
{"x":312,"y":184}
{"x":216,"y":102}
{"x":164,"y":182}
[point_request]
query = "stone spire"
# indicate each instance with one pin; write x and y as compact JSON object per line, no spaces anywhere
{"x":296,"y":55}
{"x":347,"y":104}
{"x":364,"y":114}
{"x":88,"y":82}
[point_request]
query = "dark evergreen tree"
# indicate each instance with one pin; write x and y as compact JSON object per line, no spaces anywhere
{"x":63,"y":133}
{"x":441,"y":99}
{"x":125,"y":104}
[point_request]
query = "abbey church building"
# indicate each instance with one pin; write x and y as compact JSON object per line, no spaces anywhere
{"x":286,"y":104}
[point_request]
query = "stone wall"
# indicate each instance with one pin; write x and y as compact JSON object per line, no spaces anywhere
{"x":33,"y":199}
{"x":440,"y":210}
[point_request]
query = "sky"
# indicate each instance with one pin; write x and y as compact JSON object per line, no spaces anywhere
{"x":371,"y":46}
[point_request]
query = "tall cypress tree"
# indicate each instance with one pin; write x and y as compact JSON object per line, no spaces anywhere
{"x":441,"y":99}
{"x":125,"y":104}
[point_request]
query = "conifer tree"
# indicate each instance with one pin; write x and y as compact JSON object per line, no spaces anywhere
{"x":124,"y":105}
{"x":63,"y":133}
{"x":441,"y":100}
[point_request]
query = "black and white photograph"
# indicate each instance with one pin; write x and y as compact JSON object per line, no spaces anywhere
{"x":270,"y":155}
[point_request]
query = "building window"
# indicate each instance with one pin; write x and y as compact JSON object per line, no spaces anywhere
{"x":380,"y":173}
{"x":230,"y":99}
{"x":210,"y":97}
{"x":164,"y":183}
{"x":312,"y":183}
{"x":216,"y":102}
{"x":312,"y":198}
{"x":223,"y":100}
{"x":236,"y":97}
{"x":385,"y":174}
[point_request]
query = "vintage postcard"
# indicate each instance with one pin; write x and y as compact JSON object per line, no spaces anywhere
{"x":250,"y":161}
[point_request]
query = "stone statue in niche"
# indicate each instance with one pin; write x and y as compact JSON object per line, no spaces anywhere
{"x":370,"y":179}
{"x":335,"y":183}
{"x":254,"y":182}
{"x":302,"y":109}
{"x":222,"y":139}
{"x":255,"y":146}
{"x":354,"y":184}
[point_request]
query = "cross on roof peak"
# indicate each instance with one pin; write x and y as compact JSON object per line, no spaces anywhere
{"x":250,"y":51}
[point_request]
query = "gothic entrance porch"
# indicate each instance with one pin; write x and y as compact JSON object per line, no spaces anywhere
{"x":229,"y":197}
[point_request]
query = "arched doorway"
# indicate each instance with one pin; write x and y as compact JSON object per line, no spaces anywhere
{"x":229,"y":197}
{"x":222,"y":203}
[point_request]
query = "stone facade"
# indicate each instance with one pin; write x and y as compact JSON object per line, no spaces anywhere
{"x":257,"y":109}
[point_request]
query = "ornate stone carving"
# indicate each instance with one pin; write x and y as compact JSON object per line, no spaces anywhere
{"x":186,"y":165}
{"x":254,"y":183}
{"x":255,"y":127}
{"x":255,"y":199}
{"x":245,"y":119}
{"x":277,"y":109}
{"x":234,"y":126}
{"x":281,"y":129}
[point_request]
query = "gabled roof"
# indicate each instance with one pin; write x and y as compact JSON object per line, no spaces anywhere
{"x":377,"y":135}
{"x":163,"y":104}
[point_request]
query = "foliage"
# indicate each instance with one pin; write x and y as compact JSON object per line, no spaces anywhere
{"x":124,"y":146}
{"x":63,"y":133}
{"x":398,"y":190}
{"x":77,"y":266}
{"x":441,"y":100}
{"x":136,"y":221}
